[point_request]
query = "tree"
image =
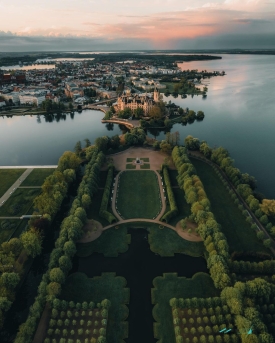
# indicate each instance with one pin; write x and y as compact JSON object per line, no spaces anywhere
{"x":54,"y":288}
{"x":78,"y":148}
{"x":65,"y":263}
{"x":32,"y":242}
{"x":268,"y":207}
{"x":166,"y":147}
{"x":10,"y":280}
{"x":57,"y":275}
{"x":101,"y":143}
{"x":68,"y":160}
{"x":69,"y":248}
{"x":155,"y":112}
{"x":192,"y":143}
{"x":200,"y":115}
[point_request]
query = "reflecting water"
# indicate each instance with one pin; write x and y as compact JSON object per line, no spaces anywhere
{"x":42,"y":140}
{"x":239,"y":111}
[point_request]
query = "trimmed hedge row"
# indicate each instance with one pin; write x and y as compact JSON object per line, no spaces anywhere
{"x":214,"y":240}
{"x":106,"y":196}
{"x":246,"y":267}
{"x":65,"y":248}
{"x":172,"y":201}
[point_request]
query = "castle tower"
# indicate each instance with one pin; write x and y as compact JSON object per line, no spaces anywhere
{"x":156,"y":95}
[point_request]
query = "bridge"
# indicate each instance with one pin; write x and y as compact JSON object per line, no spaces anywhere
{"x":125,"y":122}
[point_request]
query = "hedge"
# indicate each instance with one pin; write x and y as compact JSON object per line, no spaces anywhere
{"x":173,"y":205}
{"x":106,"y":196}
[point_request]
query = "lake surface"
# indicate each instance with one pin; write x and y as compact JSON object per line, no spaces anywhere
{"x":37,"y":66}
{"x":239,"y":111}
{"x":31,"y":140}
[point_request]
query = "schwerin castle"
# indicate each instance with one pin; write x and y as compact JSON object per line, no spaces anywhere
{"x":128,"y":100}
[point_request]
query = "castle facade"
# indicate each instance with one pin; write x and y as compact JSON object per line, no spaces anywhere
{"x":132,"y":101}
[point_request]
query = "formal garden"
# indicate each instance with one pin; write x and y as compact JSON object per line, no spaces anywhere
{"x":138,"y":195}
{"x":141,"y":280}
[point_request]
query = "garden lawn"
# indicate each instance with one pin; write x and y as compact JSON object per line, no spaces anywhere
{"x":37,"y":177}
{"x":167,"y":242}
{"x":145,"y":166}
{"x":19,"y":202}
{"x":240,"y":236}
{"x":111,"y":243}
{"x":171,"y":286}
{"x":138,"y":195}
{"x":8,"y":177}
{"x":130,"y":166}
{"x":80,"y":288}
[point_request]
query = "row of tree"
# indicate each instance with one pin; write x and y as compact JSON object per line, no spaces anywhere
{"x":171,"y":198}
{"x":209,"y":230}
{"x":103,"y":211}
{"x":246,"y":267}
{"x":191,"y":116}
{"x":48,"y":203}
{"x":65,"y":248}
{"x":244,"y":183}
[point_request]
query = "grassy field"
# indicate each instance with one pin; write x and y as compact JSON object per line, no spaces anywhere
{"x":37,"y":177}
{"x":8,"y":177}
{"x":145,"y":166}
{"x":167,"y":242}
{"x":238,"y":232}
{"x":19,"y":202}
{"x":80,"y":288}
{"x":130,"y":166}
{"x":111,"y":243}
{"x":145,"y":159}
{"x":171,"y":286}
{"x":138,"y":195}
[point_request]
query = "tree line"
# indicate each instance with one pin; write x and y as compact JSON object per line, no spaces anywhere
{"x":65,"y":246}
{"x":103,"y":211}
{"x":47,"y":204}
{"x":214,"y":240}
{"x":171,"y":198}
{"x":244,"y":183}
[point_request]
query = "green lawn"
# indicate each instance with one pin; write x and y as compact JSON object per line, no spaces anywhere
{"x":37,"y":177}
{"x":130,"y":159}
{"x":138,"y":195}
{"x":80,"y":288}
{"x":111,"y":243}
{"x":102,"y":178}
{"x":171,"y":286}
{"x":8,"y":177}
{"x":145,"y":166}
{"x":130,"y":166}
{"x":238,"y":232}
{"x":167,"y":242}
{"x":145,"y":159}
{"x":19,"y":202}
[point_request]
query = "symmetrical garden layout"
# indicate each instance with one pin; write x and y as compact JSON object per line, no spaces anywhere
{"x":154,"y":249}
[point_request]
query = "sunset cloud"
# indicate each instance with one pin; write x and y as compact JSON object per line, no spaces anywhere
{"x":158,"y":23}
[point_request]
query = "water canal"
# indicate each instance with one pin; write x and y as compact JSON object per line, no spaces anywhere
{"x":139,"y":266}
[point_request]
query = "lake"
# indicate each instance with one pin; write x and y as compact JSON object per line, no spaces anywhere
{"x":31,"y":140}
{"x":239,"y":111}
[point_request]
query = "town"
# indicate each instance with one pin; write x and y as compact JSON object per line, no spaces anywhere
{"x":68,"y":84}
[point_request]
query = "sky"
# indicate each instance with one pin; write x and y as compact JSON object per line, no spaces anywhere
{"x":100,"y":25}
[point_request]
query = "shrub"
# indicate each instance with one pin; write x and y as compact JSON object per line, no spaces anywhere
{"x":106,"y":196}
